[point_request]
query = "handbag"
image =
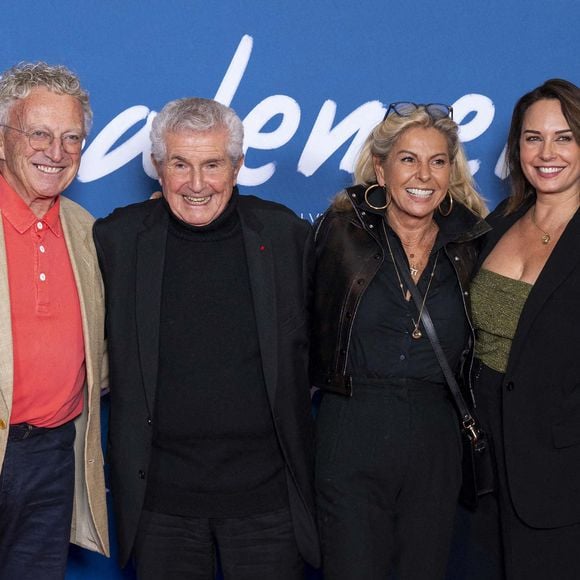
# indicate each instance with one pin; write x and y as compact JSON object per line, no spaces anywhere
{"x":477,"y":463}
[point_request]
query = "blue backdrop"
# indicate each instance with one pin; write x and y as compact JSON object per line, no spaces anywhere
{"x":309,"y":79}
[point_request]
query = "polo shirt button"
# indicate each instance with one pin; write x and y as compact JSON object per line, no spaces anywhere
{"x":510,"y":386}
{"x":42,"y":277}
{"x":39,"y":225}
{"x":141,"y":474}
{"x":42,"y":249}
{"x":2,"y":424}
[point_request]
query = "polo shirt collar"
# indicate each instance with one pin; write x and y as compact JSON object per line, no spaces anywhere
{"x":15,"y":210}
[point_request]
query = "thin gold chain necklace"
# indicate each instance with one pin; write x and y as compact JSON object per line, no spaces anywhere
{"x":546,"y":237}
{"x":423,"y":250}
{"x":416,"y":333}
{"x":429,"y":230}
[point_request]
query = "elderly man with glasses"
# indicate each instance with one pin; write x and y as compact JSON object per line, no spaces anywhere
{"x":51,"y":330}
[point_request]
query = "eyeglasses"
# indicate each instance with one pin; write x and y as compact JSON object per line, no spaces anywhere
{"x":406,"y":109}
{"x":41,"y":140}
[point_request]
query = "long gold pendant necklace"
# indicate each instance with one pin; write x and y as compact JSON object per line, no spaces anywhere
{"x":416,"y":333}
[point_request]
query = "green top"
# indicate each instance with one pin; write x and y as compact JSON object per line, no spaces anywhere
{"x":497,"y":303}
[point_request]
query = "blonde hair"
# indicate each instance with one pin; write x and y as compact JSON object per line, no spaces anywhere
{"x":382,"y":139}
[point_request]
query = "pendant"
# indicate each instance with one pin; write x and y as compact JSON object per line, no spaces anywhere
{"x":416,"y":334}
{"x":414,"y":271}
{"x":546,"y":239}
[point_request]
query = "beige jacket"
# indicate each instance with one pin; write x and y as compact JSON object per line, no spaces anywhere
{"x":89,"y":523}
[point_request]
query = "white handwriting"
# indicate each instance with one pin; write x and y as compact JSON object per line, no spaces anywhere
{"x":103,"y":156}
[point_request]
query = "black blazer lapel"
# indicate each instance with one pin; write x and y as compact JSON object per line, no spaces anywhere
{"x":563,"y":259}
{"x":149,"y":279}
{"x":260,"y":259}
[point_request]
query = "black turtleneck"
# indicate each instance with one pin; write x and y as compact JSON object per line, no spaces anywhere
{"x":215,"y":452}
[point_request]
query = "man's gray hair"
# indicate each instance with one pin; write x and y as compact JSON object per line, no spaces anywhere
{"x":17,"y":82}
{"x":200,"y":115}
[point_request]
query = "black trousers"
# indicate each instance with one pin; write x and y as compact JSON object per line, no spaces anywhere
{"x":260,"y":547}
{"x":36,"y":502}
{"x":387,"y":480}
{"x":494,"y":543}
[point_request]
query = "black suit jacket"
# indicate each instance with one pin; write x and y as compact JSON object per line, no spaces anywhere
{"x":131,"y":249}
{"x":541,"y":387}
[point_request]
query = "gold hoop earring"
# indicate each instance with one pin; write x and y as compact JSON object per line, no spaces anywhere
{"x":450,"y":205}
{"x":376,"y":207}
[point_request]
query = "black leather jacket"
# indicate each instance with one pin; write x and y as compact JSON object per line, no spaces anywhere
{"x":348,"y":255}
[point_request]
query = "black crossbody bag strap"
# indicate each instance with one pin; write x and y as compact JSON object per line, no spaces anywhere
{"x":467,"y":419}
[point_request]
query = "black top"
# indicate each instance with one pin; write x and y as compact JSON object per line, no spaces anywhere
{"x":540,"y":391}
{"x":278,"y":251}
{"x":381,"y":343}
{"x":215,"y":452}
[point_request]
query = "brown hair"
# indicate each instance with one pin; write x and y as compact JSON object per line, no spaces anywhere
{"x":568,"y":94}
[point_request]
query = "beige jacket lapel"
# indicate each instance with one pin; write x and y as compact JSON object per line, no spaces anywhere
{"x":89,"y":525}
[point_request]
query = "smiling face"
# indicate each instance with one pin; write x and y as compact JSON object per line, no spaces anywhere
{"x":416,"y":174}
{"x":549,"y":153}
{"x":38,"y":177}
{"x":197,"y":175}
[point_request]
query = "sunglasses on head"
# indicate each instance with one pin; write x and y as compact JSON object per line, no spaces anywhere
{"x":434,"y":110}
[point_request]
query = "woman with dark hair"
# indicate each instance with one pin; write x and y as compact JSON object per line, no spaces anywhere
{"x":388,"y":442}
{"x":526,"y":376}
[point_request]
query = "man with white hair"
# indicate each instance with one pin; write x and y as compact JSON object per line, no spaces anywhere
{"x":210,"y":427}
{"x":51,"y":330}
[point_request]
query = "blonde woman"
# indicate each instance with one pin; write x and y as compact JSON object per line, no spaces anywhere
{"x":388,"y":441}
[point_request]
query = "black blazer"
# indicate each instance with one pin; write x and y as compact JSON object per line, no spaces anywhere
{"x":131,"y":249}
{"x":541,"y":387}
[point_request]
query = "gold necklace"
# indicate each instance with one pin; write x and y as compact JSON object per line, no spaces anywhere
{"x":416,"y":265}
{"x":432,"y":226}
{"x":416,"y":333}
{"x":546,"y":237}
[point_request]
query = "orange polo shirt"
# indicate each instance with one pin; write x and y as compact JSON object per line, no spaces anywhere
{"x":47,"y":333}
